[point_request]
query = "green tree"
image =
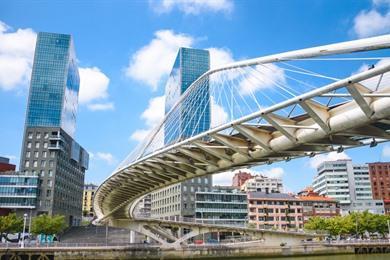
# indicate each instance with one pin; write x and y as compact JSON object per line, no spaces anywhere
{"x":316,"y":223}
{"x":10,"y":224}
{"x":48,"y":225}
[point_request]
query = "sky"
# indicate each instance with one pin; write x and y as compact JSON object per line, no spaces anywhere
{"x":126,"y":50}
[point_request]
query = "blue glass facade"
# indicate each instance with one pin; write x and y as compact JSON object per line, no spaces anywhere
{"x":18,"y":190}
{"x":55,"y":83}
{"x":193,"y":117}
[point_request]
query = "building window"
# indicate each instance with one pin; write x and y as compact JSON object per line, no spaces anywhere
{"x":199,"y":180}
{"x":43,"y":163}
{"x":37,"y":145}
{"x":44,"y":154}
{"x":42,"y":173}
{"x":51,"y":164}
{"x":28,"y":144}
{"x":50,"y":173}
{"x":48,"y":193}
{"x":46,"y":135}
{"x":35,"y":164}
{"x":36,"y":154}
{"x":38,"y":135}
{"x":45,"y":145}
{"x":28,"y":154}
{"x":52,"y":154}
{"x":206,"y":181}
{"x":30,"y":135}
{"x":49,"y":183}
{"x":26,"y":164}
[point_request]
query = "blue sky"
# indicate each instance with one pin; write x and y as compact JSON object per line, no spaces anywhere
{"x":126,"y":49}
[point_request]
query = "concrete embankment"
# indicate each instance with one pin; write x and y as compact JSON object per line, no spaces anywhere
{"x":213,"y":252}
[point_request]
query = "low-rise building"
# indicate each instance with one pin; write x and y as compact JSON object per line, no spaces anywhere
{"x":88,"y":194}
{"x":240,"y":178}
{"x":314,"y":205}
{"x":275,"y":210}
{"x":5,"y":165}
{"x":222,"y":205}
{"x":18,"y":192}
{"x":260,"y":183}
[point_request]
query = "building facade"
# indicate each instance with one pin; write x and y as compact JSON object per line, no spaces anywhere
{"x":48,"y":147}
{"x":190,"y":119}
{"x":193,"y":116}
{"x":178,"y":200}
{"x":380,"y":182}
{"x":274,"y":210}
{"x":240,"y":178}
{"x":222,"y":205}
{"x":18,"y":192}
{"x":260,"y":183}
{"x":88,"y":194}
{"x":348,"y":183}
{"x":5,"y":165}
{"x":315,"y":205}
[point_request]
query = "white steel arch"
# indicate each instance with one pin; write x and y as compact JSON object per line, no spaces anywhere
{"x":362,"y":119}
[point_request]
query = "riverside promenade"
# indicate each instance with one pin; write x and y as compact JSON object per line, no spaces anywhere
{"x":216,"y":251}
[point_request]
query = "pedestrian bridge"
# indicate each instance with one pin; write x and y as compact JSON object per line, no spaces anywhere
{"x":263,"y":110}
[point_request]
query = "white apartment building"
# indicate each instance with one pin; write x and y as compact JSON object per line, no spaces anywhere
{"x":347,"y":183}
{"x":262,"y":183}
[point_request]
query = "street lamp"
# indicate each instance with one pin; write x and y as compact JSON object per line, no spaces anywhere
{"x":24,"y":228}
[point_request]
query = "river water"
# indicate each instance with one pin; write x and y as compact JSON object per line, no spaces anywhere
{"x":335,"y":257}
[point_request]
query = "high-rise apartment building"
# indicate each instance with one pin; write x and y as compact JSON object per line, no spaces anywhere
{"x":347,"y":183}
{"x":260,"y":183}
{"x":88,"y":194}
{"x":240,"y":178}
{"x":191,"y":118}
{"x":49,"y":148}
{"x":380,"y":182}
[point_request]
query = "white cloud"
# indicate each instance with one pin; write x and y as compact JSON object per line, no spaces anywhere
{"x":155,"y":60}
{"x":223,"y":178}
{"x":265,"y":77}
{"x":16,"y":59}
{"x":332,"y":156}
{"x":107,"y":157}
{"x":16,"y":56}
{"x":93,"y":85}
{"x":101,"y":106}
{"x":219,"y":57}
{"x":193,"y":7}
{"x":153,"y":115}
{"x":386,"y":151}
{"x":381,"y":2}
{"x":372,"y":22}
{"x":218,"y":114}
{"x":276,"y":172}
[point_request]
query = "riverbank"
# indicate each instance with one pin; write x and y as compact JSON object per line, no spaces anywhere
{"x":199,"y":252}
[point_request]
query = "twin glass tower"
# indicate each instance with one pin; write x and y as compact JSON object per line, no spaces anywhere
{"x":193,"y":115}
{"x":48,"y":148}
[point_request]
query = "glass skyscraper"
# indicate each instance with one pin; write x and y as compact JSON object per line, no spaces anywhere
{"x":54,"y":84}
{"x":193,"y":116}
{"x":49,"y":149}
